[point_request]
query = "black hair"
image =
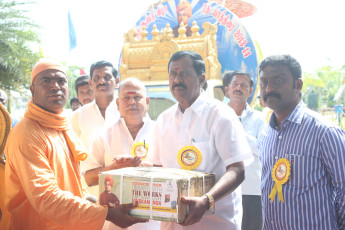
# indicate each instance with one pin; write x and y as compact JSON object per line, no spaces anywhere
{"x":228,"y":76}
{"x":74,"y":99}
{"x":204,"y":87}
{"x":198,"y":63}
{"x":100,"y":64}
{"x":286,"y":60}
{"x":81,"y":81}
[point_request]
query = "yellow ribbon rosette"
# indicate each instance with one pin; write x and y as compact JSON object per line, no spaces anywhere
{"x":140,"y":149}
{"x":280,"y":174}
{"x":189,"y":157}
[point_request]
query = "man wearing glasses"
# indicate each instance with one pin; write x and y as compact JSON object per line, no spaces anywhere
{"x":238,"y":87}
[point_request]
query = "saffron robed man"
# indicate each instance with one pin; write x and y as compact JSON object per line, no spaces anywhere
{"x":202,"y":134}
{"x":43,"y":181}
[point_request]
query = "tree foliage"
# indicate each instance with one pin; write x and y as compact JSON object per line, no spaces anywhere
{"x":323,"y":84}
{"x":313,"y":100}
{"x":16,"y":35}
{"x":73,"y":74}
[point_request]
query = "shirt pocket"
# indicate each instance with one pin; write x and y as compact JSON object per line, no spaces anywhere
{"x":304,"y":172}
{"x":206,"y":152}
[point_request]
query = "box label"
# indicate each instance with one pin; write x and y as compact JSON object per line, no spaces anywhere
{"x":164,"y":198}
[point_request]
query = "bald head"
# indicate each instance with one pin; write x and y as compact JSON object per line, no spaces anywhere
{"x":132,"y":81}
{"x":132,"y":101}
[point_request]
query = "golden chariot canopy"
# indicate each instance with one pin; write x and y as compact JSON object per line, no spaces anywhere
{"x":148,"y":60}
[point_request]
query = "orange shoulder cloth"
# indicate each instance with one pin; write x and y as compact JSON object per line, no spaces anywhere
{"x":58,"y":122}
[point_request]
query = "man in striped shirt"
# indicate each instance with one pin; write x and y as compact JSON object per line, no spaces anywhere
{"x":302,"y":155}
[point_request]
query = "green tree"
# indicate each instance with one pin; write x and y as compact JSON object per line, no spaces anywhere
{"x":312,"y":86}
{"x":324,"y":84}
{"x":313,"y":100}
{"x":332,"y":78}
{"x":16,"y":35}
{"x":73,"y":72}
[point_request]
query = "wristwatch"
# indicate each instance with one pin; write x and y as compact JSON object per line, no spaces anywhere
{"x":211,"y":204}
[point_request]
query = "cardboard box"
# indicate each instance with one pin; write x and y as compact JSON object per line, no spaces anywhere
{"x":157,"y":190}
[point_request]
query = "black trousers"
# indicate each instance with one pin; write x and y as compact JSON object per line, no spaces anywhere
{"x":252,"y":212}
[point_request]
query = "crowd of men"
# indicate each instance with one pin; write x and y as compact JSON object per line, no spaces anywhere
{"x":287,"y":174}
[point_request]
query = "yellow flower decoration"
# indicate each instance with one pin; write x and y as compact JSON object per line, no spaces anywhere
{"x":280,"y":174}
{"x":189,"y":157}
{"x":140,"y":149}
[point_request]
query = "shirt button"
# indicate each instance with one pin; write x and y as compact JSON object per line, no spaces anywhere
{"x":276,"y":157}
{"x":280,"y":137}
{"x":272,"y":222}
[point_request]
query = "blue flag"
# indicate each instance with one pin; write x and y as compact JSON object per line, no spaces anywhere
{"x":72,"y":34}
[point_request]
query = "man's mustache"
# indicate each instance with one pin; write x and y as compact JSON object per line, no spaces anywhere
{"x":100,"y":85}
{"x":86,"y":100}
{"x":237,"y":91}
{"x":272,"y":95}
{"x":132,"y":107}
{"x":179,"y":85}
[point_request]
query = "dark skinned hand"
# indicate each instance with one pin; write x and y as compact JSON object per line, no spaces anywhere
{"x":197,"y":208}
{"x":120,"y":217}
{"x":126,"y":161}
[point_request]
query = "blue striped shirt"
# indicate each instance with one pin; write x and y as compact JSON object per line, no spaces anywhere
{"x":314,"y":195}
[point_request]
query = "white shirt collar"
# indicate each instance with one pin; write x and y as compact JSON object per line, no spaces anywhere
{"x":247,"y":110}
{"x":197,"y":106}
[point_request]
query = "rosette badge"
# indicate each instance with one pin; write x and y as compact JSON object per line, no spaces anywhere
{"x":189,"y":157}
{"x":140,"y":149}
{"x":280,"y":174}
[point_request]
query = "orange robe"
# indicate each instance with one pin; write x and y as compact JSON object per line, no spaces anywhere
{"x":43,"y":182}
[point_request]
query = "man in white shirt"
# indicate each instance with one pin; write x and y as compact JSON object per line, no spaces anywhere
{"x":116,"y":146}
{"x":214,"y":140}
{"x":89,"y":119}
{"x":238,"y":87}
